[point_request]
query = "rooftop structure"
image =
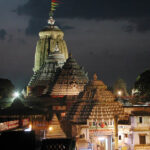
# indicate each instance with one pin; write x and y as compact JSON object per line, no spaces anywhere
{"x":55,"y":130}
{"x":46,"y":74}
{"x":97,"y":103}
{"x":71,"y":80}
{"x":50,"y":37}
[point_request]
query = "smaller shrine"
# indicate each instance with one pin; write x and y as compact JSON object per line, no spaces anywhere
{"x":96,"y":116}
{"x":55,"y":130}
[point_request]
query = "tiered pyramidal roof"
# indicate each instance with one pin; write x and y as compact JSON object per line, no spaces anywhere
{"x":97,"y":103}
{"x":47,"y":72}
{"x":55,"y":130}
{"x":71,"y":80}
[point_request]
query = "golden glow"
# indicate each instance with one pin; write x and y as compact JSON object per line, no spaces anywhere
{"x":63,"y":114}
{"x":119,"y":93}
{"x":29,"y":128}
{"x":50,"y":128}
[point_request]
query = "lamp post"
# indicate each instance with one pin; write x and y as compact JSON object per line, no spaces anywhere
{"x":16,"y":94}
{"x":119,"y":93}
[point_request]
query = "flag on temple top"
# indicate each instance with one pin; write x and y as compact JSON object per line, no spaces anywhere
{"x":54,"y":5}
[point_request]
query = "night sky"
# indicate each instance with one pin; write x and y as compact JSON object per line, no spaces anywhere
{"x":109,"y":37}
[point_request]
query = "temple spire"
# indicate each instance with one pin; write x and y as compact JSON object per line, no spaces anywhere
{"x":51,"y":21}
{"x":95,"y":77}
{"x":54,"y":5}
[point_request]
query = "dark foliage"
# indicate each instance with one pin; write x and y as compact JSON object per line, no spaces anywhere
{"x":6,"y":88}
{"x":17,"y":140}
{"x":142,"y":84}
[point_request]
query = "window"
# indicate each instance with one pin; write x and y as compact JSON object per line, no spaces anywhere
{"x":119,"y":137}
{"x":142,"y":139}
{"x":140,"y":120}
{"x":126,"y":135}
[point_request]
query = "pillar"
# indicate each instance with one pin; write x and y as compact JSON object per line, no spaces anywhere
{"x":116,"y":131}
{"x":28,"y":90}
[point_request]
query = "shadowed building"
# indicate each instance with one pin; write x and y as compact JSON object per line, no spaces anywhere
{"x":46,"y":74}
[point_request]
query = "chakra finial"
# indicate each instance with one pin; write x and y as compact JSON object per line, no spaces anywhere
{"x":51,"y":21}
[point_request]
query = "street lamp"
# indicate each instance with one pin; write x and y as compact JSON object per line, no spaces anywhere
{"x":119,"y":93}
{"x":29,"y":128}
{"x":16,"y":94}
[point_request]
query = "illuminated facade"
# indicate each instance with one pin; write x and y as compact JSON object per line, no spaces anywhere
{"x":86,"y":110}
{"x":54,"y":73}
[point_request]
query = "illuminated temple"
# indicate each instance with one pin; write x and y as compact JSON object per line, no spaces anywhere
{"x":79,"y":108}
{"x":69,"y":105}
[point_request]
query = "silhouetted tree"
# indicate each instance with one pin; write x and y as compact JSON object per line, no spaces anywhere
{"x":6,"y":88}
{"x":142,"y":85}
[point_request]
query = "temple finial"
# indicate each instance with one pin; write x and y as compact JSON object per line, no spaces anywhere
{"x":54,"y":5}
{"x":51,"y":21}
{"x":95,"y":77}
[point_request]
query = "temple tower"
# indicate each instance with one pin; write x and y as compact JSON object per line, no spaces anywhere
{"x":51,"y":54}
{"x":49,"y":38}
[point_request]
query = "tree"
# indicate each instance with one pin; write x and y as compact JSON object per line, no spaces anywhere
{"x":142,"y":85}
{"x":6,"y":88}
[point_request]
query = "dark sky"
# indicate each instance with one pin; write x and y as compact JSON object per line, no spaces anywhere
{"x":111,"y":38}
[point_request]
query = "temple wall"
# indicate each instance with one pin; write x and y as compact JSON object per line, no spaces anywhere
{"x":136,"y":124}
{"x":138,"y":129}
{"x":129,"y":109}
